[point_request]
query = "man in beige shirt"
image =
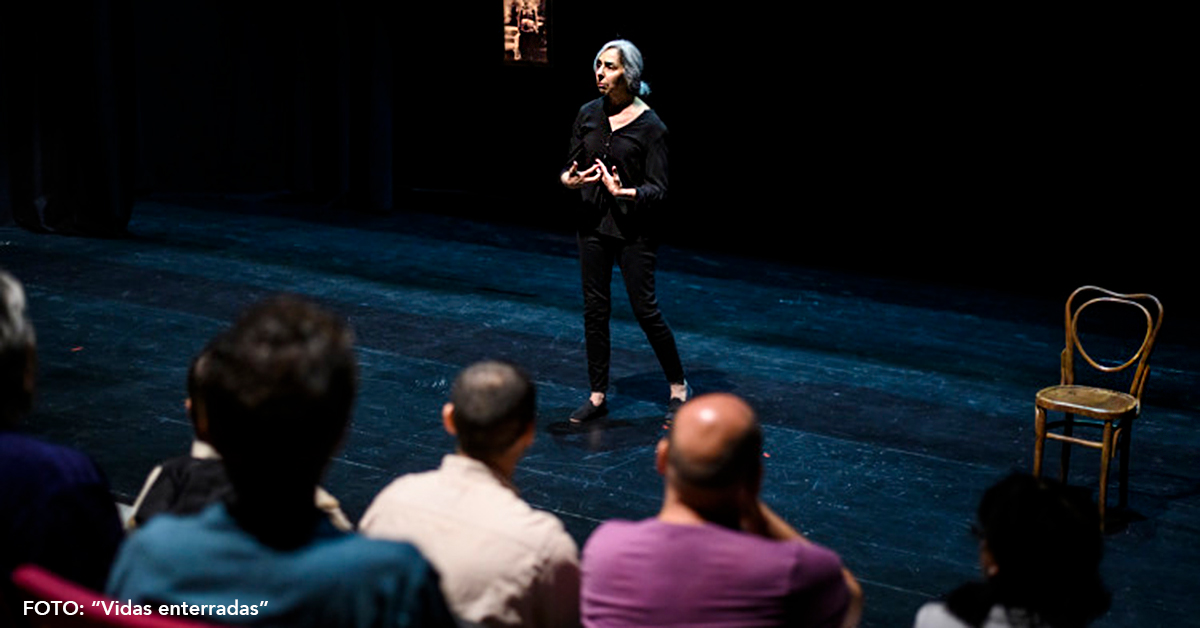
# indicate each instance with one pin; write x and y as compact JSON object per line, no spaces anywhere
{"x":502,"y":562}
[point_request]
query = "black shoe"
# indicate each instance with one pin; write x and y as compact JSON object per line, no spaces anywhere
{"x":589,"y":412}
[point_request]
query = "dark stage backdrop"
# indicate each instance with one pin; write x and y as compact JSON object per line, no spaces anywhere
{"x":970,"y":144}
{"x":66,"y":116}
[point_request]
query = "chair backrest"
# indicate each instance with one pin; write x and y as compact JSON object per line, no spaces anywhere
{"x":55,"y":602}
{"x":1086,"y":297}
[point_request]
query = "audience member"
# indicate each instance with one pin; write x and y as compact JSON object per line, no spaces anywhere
{"x":715,"y":555}
{"x":502,"y":562}
{"x":1040,"y":547}
{"x":283,"y":381}
{"x":185,"y":485}
{"x":55,"y":506}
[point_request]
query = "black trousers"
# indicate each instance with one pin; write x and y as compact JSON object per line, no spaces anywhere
{"x":637,"y":259}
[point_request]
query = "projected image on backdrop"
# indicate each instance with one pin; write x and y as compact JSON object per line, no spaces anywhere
{"x":526,"y":31}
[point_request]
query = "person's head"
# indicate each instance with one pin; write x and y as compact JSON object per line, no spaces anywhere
{"x":618,"y":66}
{"x":18,"y":352}
{"x":492,"y":409}
{"x":1041,"y":546}
{"x":277,"y":389}
{"x":712,"y":456}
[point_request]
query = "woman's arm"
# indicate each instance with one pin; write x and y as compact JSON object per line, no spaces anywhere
{"x":654,"y":189}
{"x":571,"y":176}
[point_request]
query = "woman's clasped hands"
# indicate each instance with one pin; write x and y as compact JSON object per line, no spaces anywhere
{"x":574,"y":178}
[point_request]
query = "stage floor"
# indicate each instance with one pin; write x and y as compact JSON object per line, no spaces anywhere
{"x":889,"y":405}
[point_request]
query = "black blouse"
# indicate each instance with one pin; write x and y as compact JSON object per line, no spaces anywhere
{"x":639,"y":152}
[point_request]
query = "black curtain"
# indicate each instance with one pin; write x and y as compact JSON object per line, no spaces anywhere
{"x":267,"y":97}
{"x":66,"y":116}
{"x":101,"y":100}
{"x":963,"y":144}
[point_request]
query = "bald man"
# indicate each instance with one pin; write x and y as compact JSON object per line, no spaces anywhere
{"x":715,"y":555}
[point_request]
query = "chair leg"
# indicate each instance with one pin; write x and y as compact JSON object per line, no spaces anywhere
{"x":1039,"y":442}
{"x":1123,"y":435}
{"x":1106,"y":451}
{"x":1064,"y":462}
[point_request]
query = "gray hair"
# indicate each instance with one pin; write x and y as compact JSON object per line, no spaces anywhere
{"x":494,"y":403}
{"x":17,"y":344}
{"x":631,"y":58}
{"x":16,"y":332}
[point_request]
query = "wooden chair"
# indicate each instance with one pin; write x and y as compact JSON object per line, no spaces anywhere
{"x":38,"y":584}
{"x":1112,"y":411}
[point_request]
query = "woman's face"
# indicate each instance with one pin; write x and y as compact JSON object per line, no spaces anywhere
{"x":610,"y":73}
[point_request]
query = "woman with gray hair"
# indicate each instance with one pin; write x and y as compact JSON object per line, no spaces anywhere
{"x":618,"y":162}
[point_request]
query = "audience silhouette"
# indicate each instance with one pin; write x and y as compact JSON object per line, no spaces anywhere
{"x":185,"y":485}
{"x":1040,"y":547}
{"x":283,"y":380}
{"x":715,"y":555}
{"x":270,"y":399}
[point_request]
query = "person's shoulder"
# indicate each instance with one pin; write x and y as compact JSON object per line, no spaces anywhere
{"x":199,"y":475}
{"x":375,"y":559}
{"x":383,"y":551}
{"x":394,"y":571}
{"x":408,"y":482}
{"x":812,"y":559}
{"x":169,"y":542}
{"x":172,"y":531}
{"x":510,"y":507}
{"x":400,"y":491}
{"x":591,"y":109}
{"x":618,"y":526}
{"x":649,"y":115}
{"x":556,"y":542}
{"x":509,"y":510}
{"x":936,"y":615}
{"x":30,"y":450}
{"x":616,"y":533}
{"x":649,"y":126}
{"x":51,"y":464}
{"x":188,"y":461}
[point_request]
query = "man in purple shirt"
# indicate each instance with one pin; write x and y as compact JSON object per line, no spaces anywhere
{"x":715,"y":555}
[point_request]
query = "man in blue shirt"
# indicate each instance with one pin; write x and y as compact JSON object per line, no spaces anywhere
{"x":278,"y":388}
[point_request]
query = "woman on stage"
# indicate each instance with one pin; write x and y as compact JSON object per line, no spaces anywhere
{"x":618,"y":162}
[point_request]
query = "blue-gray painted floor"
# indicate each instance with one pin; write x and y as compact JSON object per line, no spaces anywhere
{"x":888,"y":404}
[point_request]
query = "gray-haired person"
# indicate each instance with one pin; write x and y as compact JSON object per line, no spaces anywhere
{"x":56,"y":510}
{"x":618,"y":162}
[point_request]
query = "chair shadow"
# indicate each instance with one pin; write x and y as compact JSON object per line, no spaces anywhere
{"x":1118,"y":519}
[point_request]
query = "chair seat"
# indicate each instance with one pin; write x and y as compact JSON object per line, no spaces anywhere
{"x":1098,"y":403}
